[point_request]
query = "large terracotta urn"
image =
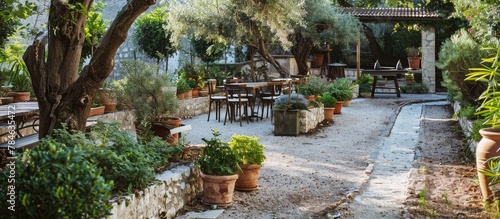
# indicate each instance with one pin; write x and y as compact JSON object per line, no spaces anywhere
{"x":218,"y":190}
{"x":488,"y":147}
{"x":248,"y":177}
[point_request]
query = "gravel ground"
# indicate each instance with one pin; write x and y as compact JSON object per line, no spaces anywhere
{"x":322,"y":174}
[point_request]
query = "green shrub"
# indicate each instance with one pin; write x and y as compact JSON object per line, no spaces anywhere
{"x":327,"y":99}
{"x":291,"y":102}
{"x":457,"y":55}
{"x":247,"y":149}
{"x":56,"y":181}
{"x":314,"y":86}
{"x":217,"y":158}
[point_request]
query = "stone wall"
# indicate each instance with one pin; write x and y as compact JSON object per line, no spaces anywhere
{"x":163,"y":199}
{"x":429,"y":58}
{"x":309,"y":119}
{"x":193,"y":107}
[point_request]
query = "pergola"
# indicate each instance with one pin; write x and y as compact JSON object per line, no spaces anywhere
{"x":390,"y":15}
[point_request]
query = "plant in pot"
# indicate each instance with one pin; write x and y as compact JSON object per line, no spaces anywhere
{"x":218,"y":165}
{"x":341,"y":90}
{"x":182,"y":89}
{"x":329,"y":102}
{"x":409,"y":77}
{"x":314,"y":86}
{"x":3,"y":88}
{"x":107,"y":97}
{"x":20,"y":82}
{"x":365,"y":85}
{"x":488,"y":148}
{"x":413,"y":57}
{"x":250,"y":154}
{"x":287,"y":113}
{"x":152,"y":98}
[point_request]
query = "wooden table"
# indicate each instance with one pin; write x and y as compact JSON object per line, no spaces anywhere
{"x":386,"y":73}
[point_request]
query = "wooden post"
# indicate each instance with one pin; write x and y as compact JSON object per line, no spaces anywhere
{"x":358,"y":58}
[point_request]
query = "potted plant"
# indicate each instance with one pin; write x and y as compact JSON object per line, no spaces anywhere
{"x":488,"y":148}
{"x":96,"y":109}
{"x":107,"y":97}
{"x":250,"y":154}
{"x":3,"y":88}
{"x":182,"y":89}
{"x":218,"y":165}
{"x":409,"y":77}
{"x":314,"y":86}
{"x":287,"y":113}
{"x":20,"y":82}
{"x":152,"y":98}
{"x":329,"y":102}
{"x":413,"y":57}
{"x":365,"y":85}
{"x":341,"y":90}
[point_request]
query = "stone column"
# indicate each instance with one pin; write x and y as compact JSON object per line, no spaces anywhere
{"x":429,"y":59}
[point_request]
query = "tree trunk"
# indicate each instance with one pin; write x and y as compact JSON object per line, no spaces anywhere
{"x":64,"y":95}
{"x":301,"y":50}
{"x":378,"y":53}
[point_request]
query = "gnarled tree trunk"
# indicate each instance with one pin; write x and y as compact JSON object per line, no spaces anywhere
{"x":64,"y":94}
{"x":301,"y":50}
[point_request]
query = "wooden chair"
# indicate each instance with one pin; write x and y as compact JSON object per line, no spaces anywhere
{"x":275,"y":89}
{"x":236,"y":103}
{"x":217,"y":99}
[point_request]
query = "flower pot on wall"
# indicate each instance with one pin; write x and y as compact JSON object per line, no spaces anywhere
{"x":94,"y":111}
{"x":195,"y":92}
{"x":414,"y":62}
{"x":19,"y":96}
{"x":329,"y":113}
{"x":218,"y":190}
{"x":317,"y":60}
{"x":487,"y":148}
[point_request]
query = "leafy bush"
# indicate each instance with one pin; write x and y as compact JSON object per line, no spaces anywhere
{"x":247,"y":149}
{"x":56,"y":181}
{"x":415,"y":88}
{"x":129,"y":163}
{"x":314,"y":86}
{"x":457,"y":55}
{"x":217,"y":158}
{"x":291,"y":102}
{"x":327,"y":99}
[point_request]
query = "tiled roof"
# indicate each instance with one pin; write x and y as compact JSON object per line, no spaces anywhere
{"x":392,"y":14}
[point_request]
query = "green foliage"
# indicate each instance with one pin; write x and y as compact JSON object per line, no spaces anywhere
{"x":217,"y":158}
{"x":415,"y":88}
{"x":151,"y":95}
{"x":95,"y":27}
{"x":54,"y":180}
{"x":182,"y":85}
{"x":341,"y":89}
{"x":490,"y":98}
{"x":247,"y":149}
{"x":483,"y":17}
{"x":291,"y":102}
{"x":409,"y":75}
{"x":11,"y":13}
{"x":474,"y":133}
{"x":19,"y":77}
{"x":457,"y":55}
{"x":314,"y":86}
{"x":207,"y":50}
{"x":467,"y":111}
{"x":150,"y":35}
{"x":128,"y":162}
{"x":365,"y":83}
{"x":327,"y":99}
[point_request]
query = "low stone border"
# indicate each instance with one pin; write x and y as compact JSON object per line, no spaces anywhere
{"x":163,"y":199}
{"x":466,"y":126}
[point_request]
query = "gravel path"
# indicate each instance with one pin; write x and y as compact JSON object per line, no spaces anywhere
{"x":312,"y":174}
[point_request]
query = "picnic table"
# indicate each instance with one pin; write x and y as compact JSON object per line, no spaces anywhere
{"x":390,"y":74}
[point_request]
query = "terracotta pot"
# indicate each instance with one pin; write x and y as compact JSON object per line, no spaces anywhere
{"x":195,"y":92}
{"x":7,"y":100}
{"x":94,"y":111}
{"x":311,"y":97}
{"x":180,"y":96}
{"x":19,"y":96}
{"x":487,"y":148}
{"x":188,"y":94}
{"x":109,"y":107}
{"x":409,"y":81}
{"x":317,"y":59}
{"x":106,"y":96}
{"x":414,"y":62}
{"x":338,"y":107}
{"x":248,"y":177}
{"x":329,"y":113}
{"x":218,"y":190}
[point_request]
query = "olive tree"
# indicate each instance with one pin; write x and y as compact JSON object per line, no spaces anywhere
{"x":324,"y":23}
{"x":254,"y":23}
{"x":65,"y":93}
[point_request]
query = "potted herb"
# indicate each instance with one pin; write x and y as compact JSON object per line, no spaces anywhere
{"x":182,"y":89}
{"x":218,"y":165}
{"x":329,"y":102}
{"x":314,"y":86}
{"x":152,"y":98}
{"x":250,"y":154}
{"x":287,"y":113}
